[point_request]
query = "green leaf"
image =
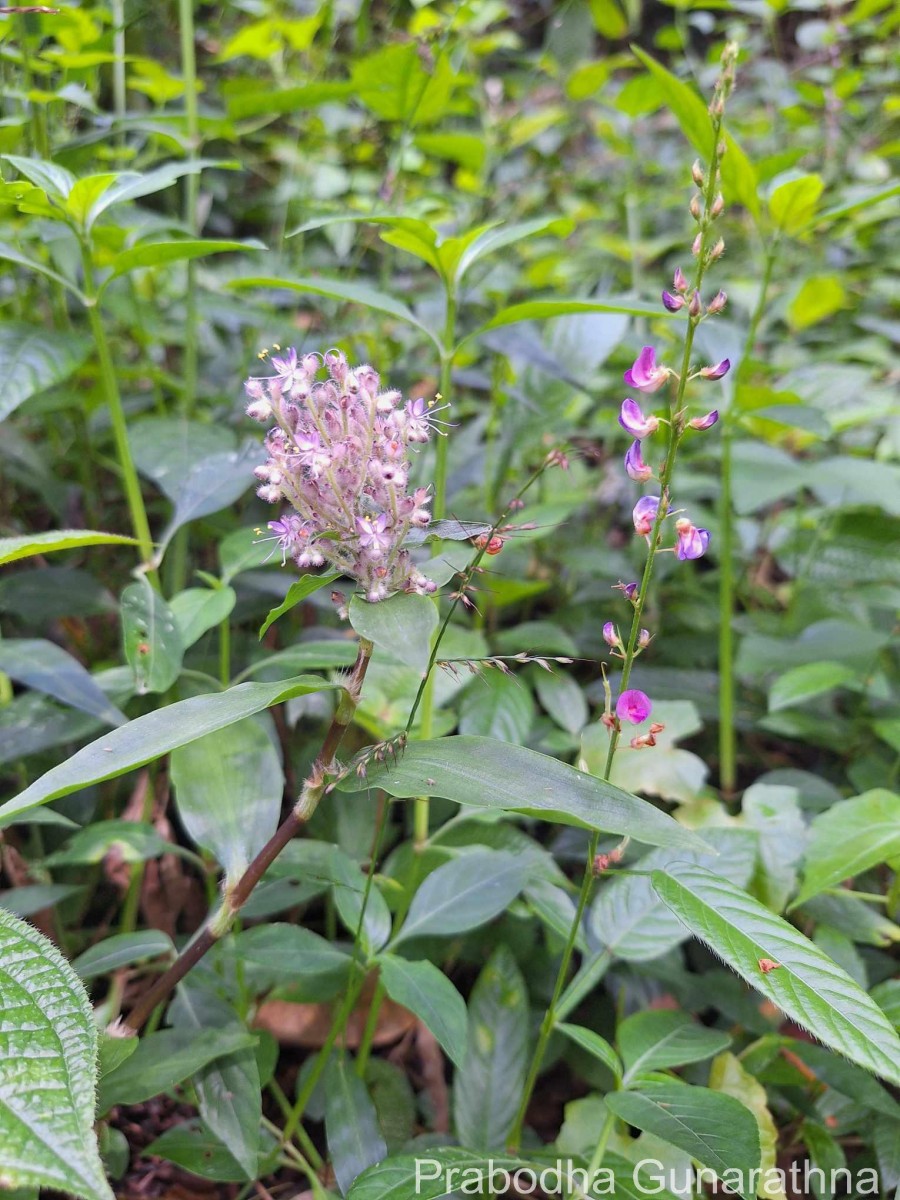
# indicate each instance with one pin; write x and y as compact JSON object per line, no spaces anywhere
{"x":595,"y":1045}
{"x":792,"y":204}
{"x":714,"y":1128}
{"x":487,"y":1088}
{"x":121,"y":950}
{"x":865,"y":200}
{"x":47,"y":1069}
{"x":193,"y":1146}
{"x":393,"y":83}
{"x":197,"y":610}
{"x":228,"y":791}
{"x":546,"y":310}
{"x":652,"y":1041}
{"x":429,"y":995}
{"x":738,"y":176}
{"x":55,"y":181}
{"x":136,"y":841}
{"x":818,"y":298}
{"x":32,"y":360}
{"x":492,"y":240}
{"x":267,"y":102}
{"x":351,"y":1124}
{"x":163,"y":1060}
{"x":773,"y":810}
{"x":152,"y":638}
{"x":341,"y":289}
{"x":155,"y":734}
{"x":806,"y":985}
{"x":11,"y":254}
{"x":497,"y":706}
{"x":489,"y":774}
{"x":29,"y":544}
{"x":349,"y":884}
{"x":849,"y":838}
{"x":728,"y":1075}
{"x":300,"y":590}
{"x":48,"y":668}
{"x":402,"y":626}
{"x":155,"y":254}
{"x":134,"y":185}
{"x":278,"y":953}
{"x":463,"y":894}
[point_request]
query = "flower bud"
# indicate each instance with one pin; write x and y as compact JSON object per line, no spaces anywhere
{"x":672,"y":303}
{"x":718,"y":250}
{"x":721,"y":149}
{"x":696,"y":207}
{"x":716,"y":304}
{"x":697,"y":174}
{"x":679,"y":283}
{"x":706,"y":422}
{"x":697,"y":245}
{"x":644,"y":639}
{"x":718,"y":206}
{"x":717,"y":371}
{"x":611,"y":636}
{"x":695,"y":305}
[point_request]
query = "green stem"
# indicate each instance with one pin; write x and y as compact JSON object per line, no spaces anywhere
{"x":602,"y":1142}
{"x":118,"y":69}
{"x":225,"y":652}
{"x":727,"y":731}
{"x":365,"y":1045}
{"x":191,"y":198}
{"x":446,"y":384}
{"x":133,"y":495}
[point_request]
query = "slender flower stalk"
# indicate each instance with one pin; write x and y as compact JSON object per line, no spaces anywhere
{"x":647,"y":376}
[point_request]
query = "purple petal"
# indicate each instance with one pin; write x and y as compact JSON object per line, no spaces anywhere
{"x":633,"y":706}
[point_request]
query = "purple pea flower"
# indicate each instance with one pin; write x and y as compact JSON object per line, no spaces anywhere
{"x":611,"y":635}
{"x":644,"y":374}
{"x":717,"y":371}
{"x":635,"y":467}
{"x":706,"y":422}
{"x":645,"y":514}
{"x":633,"y":421}
{"x":672,"y":303}
{"x":633,"y":706}
{"x":692,"y":541}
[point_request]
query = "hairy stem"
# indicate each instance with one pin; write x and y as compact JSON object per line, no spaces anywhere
{"x":237,"y":895}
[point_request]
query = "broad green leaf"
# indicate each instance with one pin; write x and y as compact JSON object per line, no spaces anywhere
{"x":32,"y":360}
{"x":498,"y":238}
{"x":155,"y":254}
{"x":595,"y":1045}
{"x":151,"y":637}
{"x":488,"y":1086}
{"x":402,"y":626}
{"x":209,"y":485}
{"x":849,"y":838}
{"x":806,"y":984}
{"x":228,"y":791}
{"x":155,"y":734}
{"x":33,"y":898}
{"x":738,"y":176}
{"x":773,"y":810}
{"x":417,"y":238}
{"x":792,"y":204}
{"x":462,"y":894}
{"x":163,"y":1060}
{"x":429,"y":995}
{"x":497,"y":705}
{"x":728,"y":1075}
{"x":29,"y":544}
{"x":197,"y":610}
{"x":395,"y":85}
{"x":121,"y":950}
{"x":562,"y":698}
{"x":351,"y":1124}
{"x":56,"y":181}
{"x":228,"y":1089}
{"x":489,"y":774}
{"x":47,"y":668}
{"x":347,"y":290}
{"x":134,"y":185}
{"x":299,"y":591}
{"x":47,"y":1069}
{"x":652,"y":1041}
{"x":818,"y":298}
{"x":191,"y":1145}
{"x":546,"y":310}
{"x":265,"y":101}
{"x":714,"y":1128}
{"x":279,"y":953}
{"x":84,"y":193}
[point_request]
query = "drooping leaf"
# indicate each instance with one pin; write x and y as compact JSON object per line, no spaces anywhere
{"x":462,"y":894}
{"x":32,"y":360}
{"x":714,"y":1128}
{"x":849,"y":838}
{"x":48,"y":668}
{"x":155,"y":254}
{"x":151,"y":637}
{"x":805,"y":984}
{"x":299,"y":591}
{"x":121,"y":950}
{"x":429,"y":994}
{"x":148,"y":737}
{"x":29,"y":544}
{"x":228,"y":791}
{"x":489,"y":774}
{"x":47,"y":1069}
{"x":488,"y":1086}
{"x":402,"y":625}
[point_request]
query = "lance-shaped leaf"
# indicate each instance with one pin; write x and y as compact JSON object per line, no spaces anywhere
{"x":47,"y":1069}
{"x":351,"y":1124}
{"x":804,"y":983}
{"x":299,"y":591}
{"x":151,"y":637}
{"x":155,"y":254}
{"x":47,"y":668}
{"x":30,"y":544}
{"x":849,"y":838}
{"x":489,"y":774}
{"x":429,"y":994}
{"x":148,"y":737}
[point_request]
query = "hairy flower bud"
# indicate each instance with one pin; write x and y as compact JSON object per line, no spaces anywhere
{"x":611,"y":635}
{"x":679,"y":283}
{"x":718,"y":206}
{"x":718,"y":250}
{"x":705,"y":422}
{"x":697,"y":245}
{"x":717,"y":370}
{"x":696,"y":206}
{"x":717,"y":303}
{"x":695,"y":305}
{"x":697,"y":174}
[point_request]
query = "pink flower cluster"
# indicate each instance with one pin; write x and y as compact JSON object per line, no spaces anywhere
{"x":338,"y":453}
